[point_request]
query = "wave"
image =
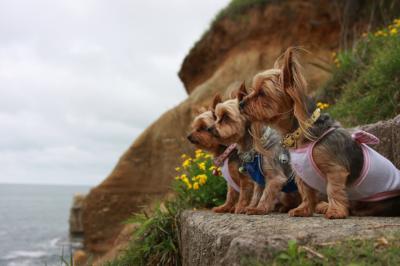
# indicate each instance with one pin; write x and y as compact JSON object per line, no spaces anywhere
{"x":25,"y":254}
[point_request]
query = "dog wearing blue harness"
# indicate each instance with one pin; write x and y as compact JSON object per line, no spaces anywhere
{"x":266,"y":163}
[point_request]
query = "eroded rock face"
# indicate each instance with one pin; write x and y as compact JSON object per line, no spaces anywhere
{"x":227,"y":239}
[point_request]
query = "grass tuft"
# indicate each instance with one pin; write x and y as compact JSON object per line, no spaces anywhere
{"x":365,"y":86}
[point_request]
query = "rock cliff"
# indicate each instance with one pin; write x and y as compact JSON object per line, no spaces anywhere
{"x":233,"y":49}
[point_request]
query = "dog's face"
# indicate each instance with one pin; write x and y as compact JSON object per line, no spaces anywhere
{"x":267,"y":101}
{"x":200,"y":134}
{"x":230,"y":124}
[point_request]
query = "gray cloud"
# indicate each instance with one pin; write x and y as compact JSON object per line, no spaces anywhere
{"x":79,"y":80}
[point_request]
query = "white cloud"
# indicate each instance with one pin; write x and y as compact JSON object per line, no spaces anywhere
{"x":79,"y":80}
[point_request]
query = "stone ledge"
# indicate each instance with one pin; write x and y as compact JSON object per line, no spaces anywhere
{"x":224,"y":239}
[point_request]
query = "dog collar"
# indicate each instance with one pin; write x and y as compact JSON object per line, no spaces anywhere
{"x":219,"y":161}
{"x":290,"y":140}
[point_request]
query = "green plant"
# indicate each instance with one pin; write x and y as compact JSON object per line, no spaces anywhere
{"x":365,"y":87}
{"x":155,"y":241}
{"x":197,"y":184}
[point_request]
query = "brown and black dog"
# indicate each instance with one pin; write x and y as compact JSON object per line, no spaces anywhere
{"x":279,"y":99}
{"x":201,"y":136}
{"x":232,"y":127}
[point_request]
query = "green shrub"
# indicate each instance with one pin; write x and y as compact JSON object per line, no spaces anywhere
{"x":155,"y":242}
{"x":365,"y":87}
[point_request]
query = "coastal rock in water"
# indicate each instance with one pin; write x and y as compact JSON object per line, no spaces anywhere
{"x":75,"y":216}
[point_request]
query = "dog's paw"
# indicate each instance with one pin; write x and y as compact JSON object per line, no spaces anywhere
{"x":240,"y":209}
{"x":256,"y":211}
{"x":222,"y":209}
{"x":301,"y":212}
{"x":322,"y":207}
{"x":336,"y":214}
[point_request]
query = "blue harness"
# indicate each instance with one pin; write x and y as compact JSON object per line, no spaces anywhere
{"x":254,"y":169}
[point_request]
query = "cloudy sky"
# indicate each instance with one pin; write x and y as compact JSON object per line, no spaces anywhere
{"x":79,"y":80}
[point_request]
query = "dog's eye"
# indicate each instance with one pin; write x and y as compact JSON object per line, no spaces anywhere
{"x":224,"y":118}
{"x":202,"y":128}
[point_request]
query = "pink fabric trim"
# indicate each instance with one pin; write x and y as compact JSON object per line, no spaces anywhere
{"x":364,"y":137}
{"x":382,"y":196}
{"x":226,"y":174}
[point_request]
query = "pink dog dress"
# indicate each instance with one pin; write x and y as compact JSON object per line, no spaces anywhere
{"x":379,"y":178}
{"x":227,"y":175}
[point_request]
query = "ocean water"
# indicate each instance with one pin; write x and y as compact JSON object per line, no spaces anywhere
{"x":34,"y":224}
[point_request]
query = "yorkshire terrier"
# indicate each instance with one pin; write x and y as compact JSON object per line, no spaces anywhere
{"x":240,"y":188}
{"x":325,"y":156}
{"x":266,"y":169}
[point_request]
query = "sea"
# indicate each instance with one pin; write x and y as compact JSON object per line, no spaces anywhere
{"x":34,"y":224}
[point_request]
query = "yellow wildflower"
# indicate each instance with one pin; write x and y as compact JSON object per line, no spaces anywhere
{"x":189,"y":186}
{"x":177,"y":177}
{"x":208,"y":156}
{"x":186,"y":163}
{"x":183,"y":176}
{"x":202,"y":166}
{"x":177,"y":169}
{"x":183,"y":156}
{"x":196,"y":186}
{"x":212,"y":167}
{"x":198,"y":151}
{"x":393,"y":31}
{"x":202,"y":179}
{"x":322,"y":106}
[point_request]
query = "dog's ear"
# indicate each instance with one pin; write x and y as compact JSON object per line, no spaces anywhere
{"x":242,"y":92}
{"x":217,"y":100}
{"x":199,"y":110}
{"x":294,"y":83}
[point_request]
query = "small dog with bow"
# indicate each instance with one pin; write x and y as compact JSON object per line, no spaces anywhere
{"x":269,"y":168}
{"x":240,"y":187}
{"x":325,"y":156}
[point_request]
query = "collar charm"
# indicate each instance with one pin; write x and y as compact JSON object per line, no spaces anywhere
{"x":290,"y":140}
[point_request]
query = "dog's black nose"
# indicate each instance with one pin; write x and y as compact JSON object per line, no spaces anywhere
{"x":190,"y":138}
{"x":241,"y":104}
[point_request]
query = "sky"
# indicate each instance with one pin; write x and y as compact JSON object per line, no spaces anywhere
{"x":80,"y":80}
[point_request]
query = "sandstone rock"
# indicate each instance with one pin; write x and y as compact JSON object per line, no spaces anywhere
{"x":226,"y":239}
{"x":75,"y":216}
{"x":80,"y":258}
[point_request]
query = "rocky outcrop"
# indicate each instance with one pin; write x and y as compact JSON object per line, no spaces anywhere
{"x":75,"y":216}
{"x":234,"y":49}
{"x":228,"y":239}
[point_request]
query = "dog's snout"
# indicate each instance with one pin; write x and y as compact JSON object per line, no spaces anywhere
{"x":190,"y":138}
